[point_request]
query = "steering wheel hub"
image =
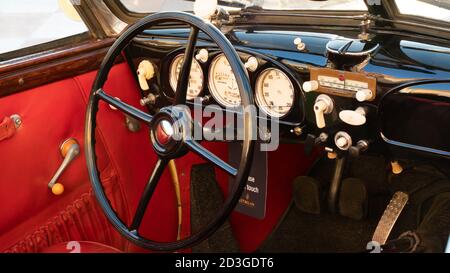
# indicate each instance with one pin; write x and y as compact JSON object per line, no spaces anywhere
{"x":164,"y":132}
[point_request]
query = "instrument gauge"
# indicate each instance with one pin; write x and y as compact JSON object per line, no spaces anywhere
{"x":274,"y":93}
{"x":196,"y":78}
{"x":222,"y":83}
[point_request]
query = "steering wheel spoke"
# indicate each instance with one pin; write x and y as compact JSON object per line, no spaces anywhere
{"x":147,"y":194}
{"x":208,"y":155}
{"x":124,"y":107}
{"x":183,"y":79}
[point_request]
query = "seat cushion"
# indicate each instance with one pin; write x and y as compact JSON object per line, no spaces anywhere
{"x":80,"y":247}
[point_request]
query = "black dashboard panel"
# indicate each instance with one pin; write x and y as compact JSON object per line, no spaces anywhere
{"x":397,"y":60}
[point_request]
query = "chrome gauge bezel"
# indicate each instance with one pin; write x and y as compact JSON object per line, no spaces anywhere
{"x":259,"y":94}
{"x":173,"y":77}
{"x":212,"y":87}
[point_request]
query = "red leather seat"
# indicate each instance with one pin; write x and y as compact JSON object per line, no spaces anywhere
{"x":80,"y":247}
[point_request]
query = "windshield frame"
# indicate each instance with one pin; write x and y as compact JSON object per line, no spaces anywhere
{"x":388,"y":13}
{"x":129,"y":16}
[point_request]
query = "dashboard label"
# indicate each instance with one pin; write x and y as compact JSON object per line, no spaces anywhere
{"x":253,"y":199}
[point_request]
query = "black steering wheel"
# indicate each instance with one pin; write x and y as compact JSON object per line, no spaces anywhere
{"x":171,"y":130}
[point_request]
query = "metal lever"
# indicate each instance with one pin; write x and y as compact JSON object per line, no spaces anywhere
{"x":70,"y":149}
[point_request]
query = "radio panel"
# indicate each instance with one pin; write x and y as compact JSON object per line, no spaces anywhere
{"x":343,"y":83}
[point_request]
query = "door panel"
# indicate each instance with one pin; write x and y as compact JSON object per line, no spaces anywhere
{"x":31,"y":216}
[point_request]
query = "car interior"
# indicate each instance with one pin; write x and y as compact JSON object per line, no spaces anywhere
{"x":148,"y":126}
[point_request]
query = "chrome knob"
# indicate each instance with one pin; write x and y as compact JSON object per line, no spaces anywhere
{"x":343,"y":141}
{"x":202,"y":56}
{"x":310,"y":86}
{"x":251,"y":64}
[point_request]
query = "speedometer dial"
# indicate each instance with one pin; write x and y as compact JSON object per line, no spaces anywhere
{"x":274,"y":93}
{"x":222,"y":83}
{"x":196,"y":80}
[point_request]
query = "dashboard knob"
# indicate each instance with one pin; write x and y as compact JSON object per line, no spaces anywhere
{"x":150,"y":99}
{"x":396,"y":167}
{"x":310,"y":86}
{"x":343,"y":141}
{"x":324,"y":105}
{"x":355,"y":118}
{"x":364,"y":95}
{"x":252,"y":64}
{"x":361,"y":146}
{"x":202,"y":56}
{"x":299,"y":43}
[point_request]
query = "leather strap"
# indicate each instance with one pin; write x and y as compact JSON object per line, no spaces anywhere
{"x":7,"y":128}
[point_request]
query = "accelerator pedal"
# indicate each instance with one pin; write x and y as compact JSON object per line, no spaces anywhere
{"x":390,"y":216}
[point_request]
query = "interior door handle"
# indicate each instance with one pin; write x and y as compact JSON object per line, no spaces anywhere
{"x":70,"y":149}
{"x":9,"y":125}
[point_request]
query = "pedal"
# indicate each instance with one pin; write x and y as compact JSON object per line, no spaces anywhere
{"x":353,"y":199}
{"x":390,"y":217}
{"x":307,"y":195}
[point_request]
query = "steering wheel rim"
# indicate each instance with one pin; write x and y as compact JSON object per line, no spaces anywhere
{"x":97,"y":94}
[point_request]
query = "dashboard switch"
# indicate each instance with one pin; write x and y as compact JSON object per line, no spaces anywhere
{"x":310,"y":86}
{"x":364,"y":95}
{"x":324,"y":105}
{"x":355,"y":118}
{"x":145,"y":72}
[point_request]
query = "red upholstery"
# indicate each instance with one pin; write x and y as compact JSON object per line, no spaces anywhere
{"x":80,"y":247}
{"x":7,"y":128}
{"x":32,"y":218}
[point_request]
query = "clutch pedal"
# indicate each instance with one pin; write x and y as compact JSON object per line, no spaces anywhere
{"x":390,"y":216}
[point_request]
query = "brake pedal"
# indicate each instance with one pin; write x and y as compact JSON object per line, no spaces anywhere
{"x":353,"y":199}
{"x":390,"y":217}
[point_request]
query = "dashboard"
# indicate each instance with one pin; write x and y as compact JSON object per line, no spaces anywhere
{"x":300,"y":80}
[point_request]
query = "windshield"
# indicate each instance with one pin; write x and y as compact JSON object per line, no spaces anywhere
{"x":146,"y":6}
{"x":433,"y":9}
{"x":312,"y":5}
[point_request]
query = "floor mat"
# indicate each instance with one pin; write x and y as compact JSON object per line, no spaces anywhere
{"x":308,"y":233}
{"x":206,"y":200}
